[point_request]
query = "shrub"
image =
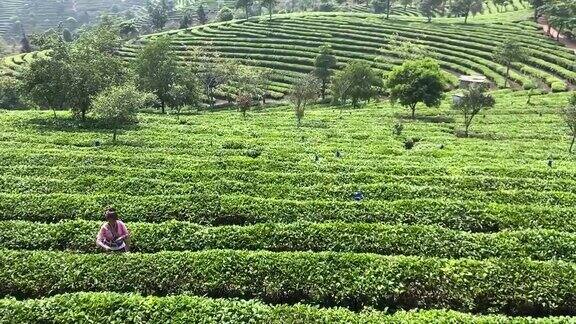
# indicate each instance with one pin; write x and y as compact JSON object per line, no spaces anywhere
{"x":10,"y":91}
{"x":225,"y":14}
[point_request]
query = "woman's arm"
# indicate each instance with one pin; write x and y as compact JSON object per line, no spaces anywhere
{"x":100,"y":238}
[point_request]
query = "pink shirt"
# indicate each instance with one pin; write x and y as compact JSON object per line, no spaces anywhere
{"x":105,"y":235}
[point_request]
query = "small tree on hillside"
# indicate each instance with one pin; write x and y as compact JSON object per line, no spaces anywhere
{"x":379,"y":6}
{"x":507,"y":53}
{"x":323,"y":65}
{"x":474,"y":100}
{"x":158,"y":13}
{"x":464,"y":8}
{"x":246,"y":5}
{"x":427,"y":7}
{"x":118,"y":106}
{"x":357,"y":82}
{"x":225,"y":14}
{"x":417,"y":81}
{"x":156,"y":69}
{"x":536,"y":4}
{"x":269,"y":4}
{"x":569,"y":116}
{"x":303,"y":93}
{"x":186,"y":92}
{"x":201,"y":13}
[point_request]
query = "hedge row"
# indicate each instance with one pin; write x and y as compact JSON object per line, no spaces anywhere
{"x":514,"y":286}
{"x":133,"y":308}
{"x":387,"y":191}
{"x":420,"y":240}
{"x":208,"y":208}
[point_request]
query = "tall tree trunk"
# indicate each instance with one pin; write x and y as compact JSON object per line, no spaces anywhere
{"x":114,"y":135}
{"x":558,"y":33}
{"x":413,"y":108}
{"x":323,"y":89}
{"x":466,"y":17}
{"x":270,"y":12}
{"x":163,"y":106}
{"x":246,"y":12}
{"x":388,"y":9}
{"x":572,"y":144}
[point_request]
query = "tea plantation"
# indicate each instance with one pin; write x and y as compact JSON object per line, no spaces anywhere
{"x":253,"y":219}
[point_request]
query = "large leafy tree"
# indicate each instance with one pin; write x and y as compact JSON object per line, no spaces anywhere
{"x":157,"y":69}
{"x":560,"y":14}
{"x":427,"y":7}
{"x":416,"y":81}
{"x":158,"y":13}
{"x":507,"y":53}
{"x":269,"y":4}
{"x":472,"y":102}
{"x":357,"y":82}
{"x":94,"y":65}
{"x":246,"y":5}
{"x":323,"y":65}
{"x":464,"y":8}
{"x":47,"y":80}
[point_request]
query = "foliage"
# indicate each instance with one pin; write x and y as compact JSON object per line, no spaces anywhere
{"x":10,"y":97}
{"x":472,"y":102}
{"x":464,"y":8}
{"x":246,"y":5}
{"x":509,"y":52}
{"x":45,"y":87}
{"x":118,"y":106}
{"x":304,"y":92}
{"x":427,"y":7}
{"x":417,"y":81}
{"x":158,"y":13}
{"x":156,"y":68}
{"x":202,"y":16}
{"x":324,"y":63}
{"x":103,"y":307}
{"x":332,"y":278}
{"x":269,"y":4}
{"x":357,"y":82}
{"x":225,"y":14}
{"x":187,"y":91}
{"x":569,"y":116}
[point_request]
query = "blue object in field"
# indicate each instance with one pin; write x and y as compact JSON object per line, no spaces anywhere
{"x":358,"y":195}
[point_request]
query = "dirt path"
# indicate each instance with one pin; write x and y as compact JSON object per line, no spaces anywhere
{"x":570,"y":43}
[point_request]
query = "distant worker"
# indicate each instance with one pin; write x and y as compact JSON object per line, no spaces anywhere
{"x":113,"y":234}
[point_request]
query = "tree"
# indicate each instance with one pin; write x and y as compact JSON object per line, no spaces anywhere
{"x":270,"y":4}
{"x":427,"y":7}
{"x":201,"y":13}
{"x":357,"y":81}
{"x":464,"y":8}
{"x":416,"y":81}
{"x":246,"y":5}
{"x":379,"y":6}
{"x":388,"y":8}
{"x":156,"y":69}
{"x":213,"y":72}
{"x":118,"y":106}
{"x":158,"y":13}
{"x":569,"y":116}
{"x":472,"y":102}
{"x":406,"y":3}
{"x":10,"y":97}
{"x":225,"y":14}
{"x":94,"y":65}
{"x":47,"y":80}
{"x":186,"y":92}
{"x":508,"y":52}
{"x":560,"y":15}
{"x":303,"y":92}
{"x":536,"y":4}
{"x":25,"y":46}
{"x":323,"y":65}
{"x":186,"y":19}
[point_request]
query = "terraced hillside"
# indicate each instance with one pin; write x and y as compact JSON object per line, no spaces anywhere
{"x":289,"y":44}
{"x":39,"y":15}
{"x":256,"y":208}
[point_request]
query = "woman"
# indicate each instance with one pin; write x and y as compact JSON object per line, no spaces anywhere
{"x":113,"y":235}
